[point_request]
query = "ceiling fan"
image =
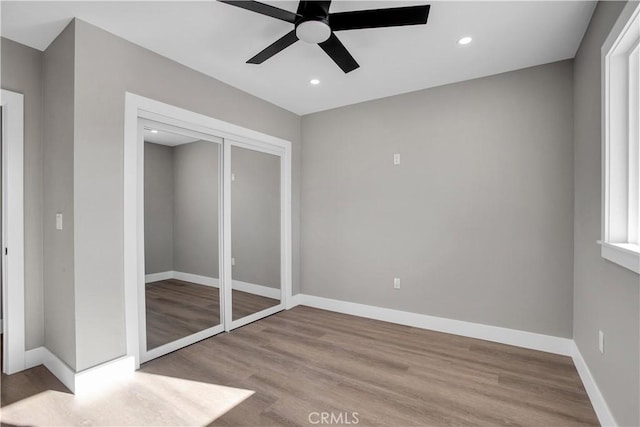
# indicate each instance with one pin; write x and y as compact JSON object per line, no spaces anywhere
{"x":314,"y":24}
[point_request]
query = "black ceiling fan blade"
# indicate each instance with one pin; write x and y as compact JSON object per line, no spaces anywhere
{"x":340,"y":55}
{"x":275,"y":47}
{"x":377,"y":18}
{"x":314,"y":9}
{"x":264,"y":9}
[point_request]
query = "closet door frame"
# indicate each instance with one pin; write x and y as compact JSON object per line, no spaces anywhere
{"x":138,"y":107}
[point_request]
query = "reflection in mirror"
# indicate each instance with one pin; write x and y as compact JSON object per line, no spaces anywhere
{"x":181,"y":185}
{"x":255,"y":231}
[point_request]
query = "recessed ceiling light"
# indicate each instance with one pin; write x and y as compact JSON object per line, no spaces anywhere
{"x":465,"y":40}
{"x":314,"y":82}
{"x":154,"y":131}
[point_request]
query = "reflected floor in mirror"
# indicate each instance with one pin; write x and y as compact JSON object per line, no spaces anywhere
{"x":176,"y":309}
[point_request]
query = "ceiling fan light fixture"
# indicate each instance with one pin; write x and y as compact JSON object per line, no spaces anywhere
{"x":314,"y":82}
{"x":465,"y":40}
{"x":313,"y":31}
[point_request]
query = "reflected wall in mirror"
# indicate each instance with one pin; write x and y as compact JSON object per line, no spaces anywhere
{"x":255,"y":231}
{"x":181,"y":229}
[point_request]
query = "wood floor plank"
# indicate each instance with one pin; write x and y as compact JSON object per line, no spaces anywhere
{"x":306,"y":361}
{"x":176,"y":309}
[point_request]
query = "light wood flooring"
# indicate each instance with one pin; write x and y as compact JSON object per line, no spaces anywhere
{"x":176,"y":309}
{"x":306,"y":361}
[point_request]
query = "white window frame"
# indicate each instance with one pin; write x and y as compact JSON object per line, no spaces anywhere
{"x":620,"y":145}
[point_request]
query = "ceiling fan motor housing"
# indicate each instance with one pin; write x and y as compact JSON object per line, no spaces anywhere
{"x":313,"y":30}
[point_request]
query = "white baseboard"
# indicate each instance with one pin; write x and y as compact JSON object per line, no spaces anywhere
{"x":263,"y":291}
{"x":513,"y":337}
{"x":101,"y":376}
{"x":156,"y":277}
{"x":33,"y":358}
{"x":81,"y":383}
{"x":42,"y":356}
{"x":252,"y":288}
{"x":187,"y":277}
{"x":597,"y":399}
{"x":197,"y":279}
{"x":294,"y":300}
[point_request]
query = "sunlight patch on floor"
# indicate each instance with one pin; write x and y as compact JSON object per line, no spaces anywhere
{"x":142,"y":400}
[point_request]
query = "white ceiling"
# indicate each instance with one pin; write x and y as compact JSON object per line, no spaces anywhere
{"x":167,"y":138}
{"x":217,"y":39}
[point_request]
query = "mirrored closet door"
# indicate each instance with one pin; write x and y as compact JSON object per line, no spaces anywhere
{"x":182,"y":238}
{"x":215,"y":232}
{"x":256,"y":233}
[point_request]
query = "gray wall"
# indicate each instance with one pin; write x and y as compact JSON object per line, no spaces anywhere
{"x":196,"y":208}
{"x":158,"y":208}
{"x":181,"y":212}
{"x":181,"y":208}
{"x":22,"y":73}
{"x":121,"y":66}
{"x":59,"y":292}
{"x":255,"y":217}
{"x":477,"y":220}
{"x":605,"y":294}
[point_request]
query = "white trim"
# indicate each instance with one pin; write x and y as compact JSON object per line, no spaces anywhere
{"x":624,"y":254}
{"x":133,"y":267}
{"x":197,"y":279}
{"x":294,"y":301}
{"x":13,"y":231}
{"x":226,"y":266}
{"x":619,"y":140}
{"x":156,"y":277}
{"x":605,"y":416}
{"x":33,"y":358}
{"x":87,"y":381}
{"x":42,"y":356}
{"x":256,"y":316}
{"x":138,"y":107}
{"x":104,"y":375}
{"x":252,"y":288}
{"x":186,"y":277}
{"x":58,"y":368}
{"x":163,"y":126}
{"x":172,"y":346}
{"x":159,"y":111}
{"x":531,"y":340}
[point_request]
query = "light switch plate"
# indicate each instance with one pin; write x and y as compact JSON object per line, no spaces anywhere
{"x":601,"y":341}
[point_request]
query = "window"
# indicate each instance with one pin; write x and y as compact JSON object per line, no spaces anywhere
{"x":620,"y":138}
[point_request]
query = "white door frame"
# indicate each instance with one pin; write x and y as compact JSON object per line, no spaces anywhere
{"x":140,"y":107}
{"x":13,"y":309}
